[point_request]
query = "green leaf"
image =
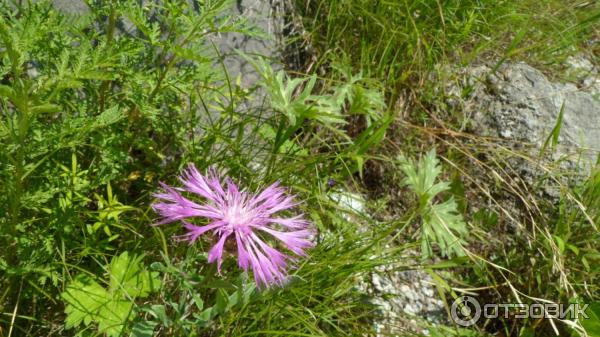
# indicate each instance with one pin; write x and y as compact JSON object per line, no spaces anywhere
{"x":45,"y":108}
{"x":113,"y":316}
{"x":294,"y":99}
{"x":421,"y":176}
{"x":221,"y":302}
{"x":552,"y":138}
{"x":592,"y":324}
{"x":128,"y":276}
{"x":84,"y":299}
{"x":160,"y":313}
{"x":6,"y":91}
{"x":108,"y":117}
{"x":205,"y":315}
{"x":560,"y":242}
{"x":143,"y":329}
{"x":87,"y":301}
{"x":442,"y":223}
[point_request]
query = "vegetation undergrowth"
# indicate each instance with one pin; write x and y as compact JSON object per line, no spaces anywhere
{"x":520,"y":245}
{"x":97,"y":109}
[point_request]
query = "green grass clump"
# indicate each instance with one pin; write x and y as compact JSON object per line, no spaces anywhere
{"x":400,"y":43}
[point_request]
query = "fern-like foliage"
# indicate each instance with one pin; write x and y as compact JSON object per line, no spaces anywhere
{"x":442,"y":224}
{"x":293,"y":97}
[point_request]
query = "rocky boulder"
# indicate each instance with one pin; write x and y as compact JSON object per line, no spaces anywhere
{"x":519,"y":104}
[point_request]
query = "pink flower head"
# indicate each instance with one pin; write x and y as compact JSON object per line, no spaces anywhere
{"x":241,"y":217}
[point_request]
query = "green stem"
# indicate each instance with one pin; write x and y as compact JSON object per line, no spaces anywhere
{"x":16,"y":193}
{"x":110,"y":30}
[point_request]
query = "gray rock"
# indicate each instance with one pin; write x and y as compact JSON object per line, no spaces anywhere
{"x":71,"y":6}
{"x":402,"y":298}
{"x":580,"y":63}
{"x":519,"y":103}
{"x":264,"y":15}
{"x":586,"y":73}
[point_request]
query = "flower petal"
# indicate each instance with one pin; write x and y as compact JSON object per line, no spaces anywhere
{"x":178,"y":207}
{"x":295,"y":241}
{"x":216,"y":252}
{"x":195,"y":231}
{"x":278,"y":258}
{"x":296,"y":222}
{"x":268,"y":273}
{"x":196,"y":183}
{"x":243,"y":255}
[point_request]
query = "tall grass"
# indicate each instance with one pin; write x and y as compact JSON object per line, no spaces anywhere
{"x":402,"y":42}
{"x":517,"y":248}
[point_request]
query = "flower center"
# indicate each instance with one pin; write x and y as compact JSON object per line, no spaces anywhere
{"x":236,"y":216}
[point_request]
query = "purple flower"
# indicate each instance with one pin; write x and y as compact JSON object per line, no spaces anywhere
{"x":240,"y":218}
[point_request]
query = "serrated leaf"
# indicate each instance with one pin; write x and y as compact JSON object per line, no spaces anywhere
{"x":421,"y":176}
{"x":143,"y":329}
{"x":129,"y":277}
{"x":113,"y":316}
{"x":190,"y":54}
{"x":108,"y":117}
{"x":84,"y":298}
{"x":442,"y":223}
{"x":111,"y":309}
{"x":294,"y":101}
{"x":445,"y":226}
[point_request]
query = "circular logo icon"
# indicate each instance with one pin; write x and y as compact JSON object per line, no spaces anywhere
{"x":465,"y":311}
